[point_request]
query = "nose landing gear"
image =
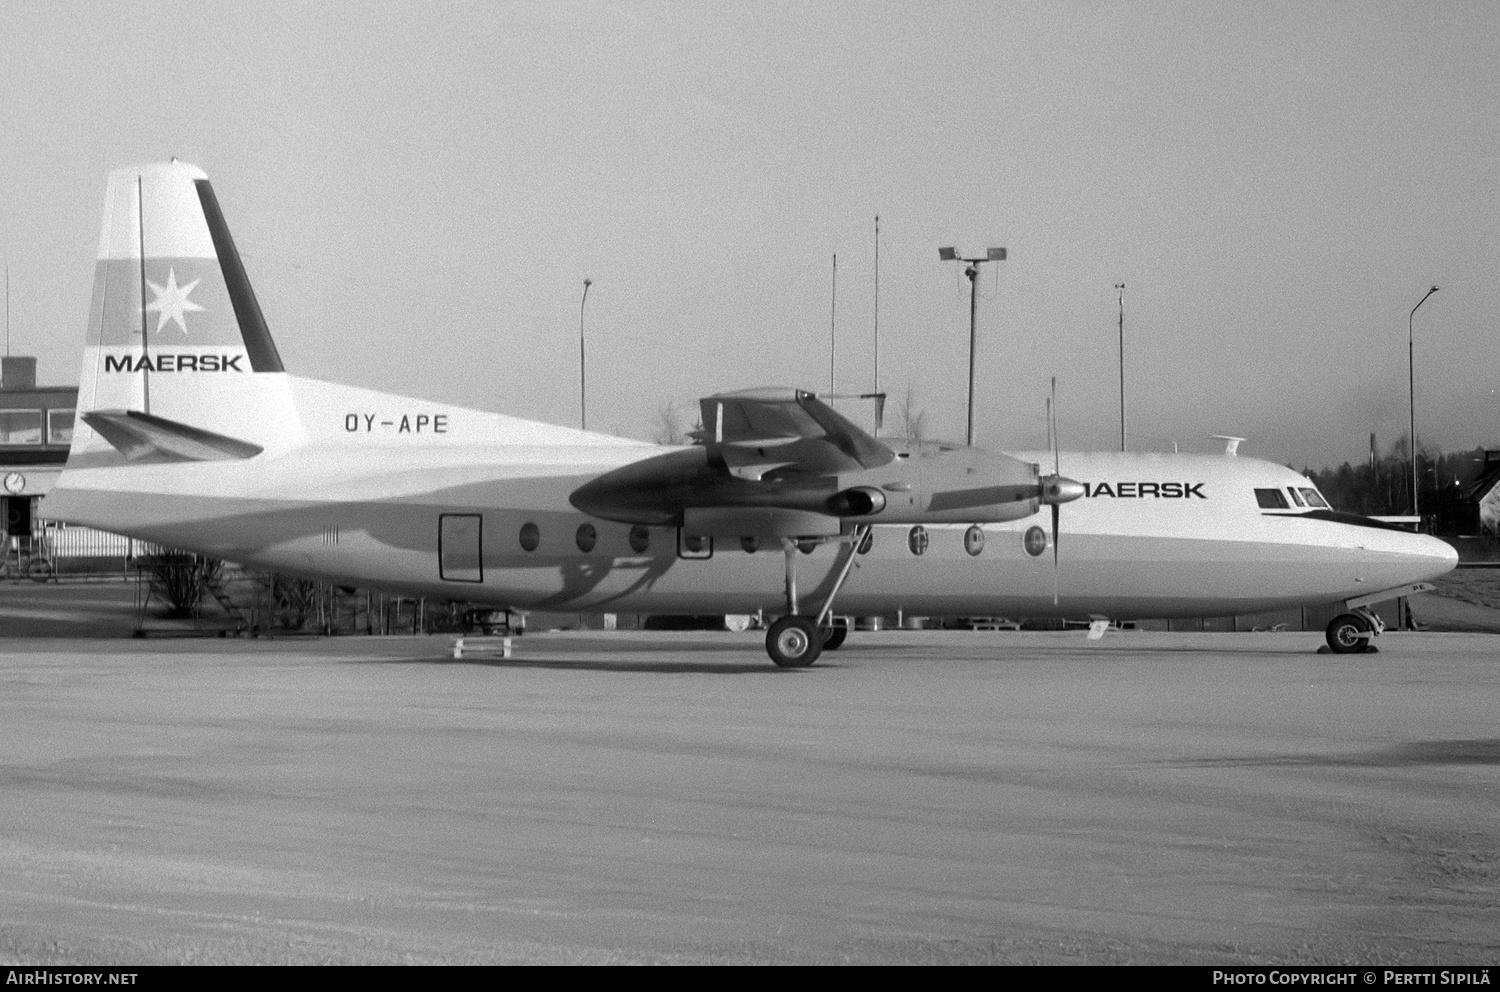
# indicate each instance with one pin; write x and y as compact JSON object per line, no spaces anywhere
{"x":1350,"y":633}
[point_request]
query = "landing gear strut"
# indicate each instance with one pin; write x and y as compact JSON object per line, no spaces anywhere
{"x":796,"y":641}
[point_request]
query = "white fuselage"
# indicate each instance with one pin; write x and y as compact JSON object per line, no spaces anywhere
{"x":1192,"y":541}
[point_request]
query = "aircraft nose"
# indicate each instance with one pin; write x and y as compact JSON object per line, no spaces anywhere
{"x":1433,"y":556}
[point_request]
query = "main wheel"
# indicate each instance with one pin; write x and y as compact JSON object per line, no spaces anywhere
{"x":794,"y":642}
{"x":1348,"y":633}
{"x":833,"y":636}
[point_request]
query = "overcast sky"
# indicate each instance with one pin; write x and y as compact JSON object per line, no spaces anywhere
{"x":419,"y":190}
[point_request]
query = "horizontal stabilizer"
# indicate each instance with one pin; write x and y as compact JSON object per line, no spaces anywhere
{"x":144,"y":438}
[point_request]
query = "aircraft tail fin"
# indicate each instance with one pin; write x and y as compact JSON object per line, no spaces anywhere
{"x":179,"y":362}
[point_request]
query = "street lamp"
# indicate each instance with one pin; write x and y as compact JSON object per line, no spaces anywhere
{"x":583,"y":415}
{"x":972,"y":271}
{"x":1411,"y":383}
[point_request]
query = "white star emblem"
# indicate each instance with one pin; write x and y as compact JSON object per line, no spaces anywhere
{"x":172,"y":301}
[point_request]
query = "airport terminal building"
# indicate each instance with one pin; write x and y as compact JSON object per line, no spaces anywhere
{"x":36,"y":428}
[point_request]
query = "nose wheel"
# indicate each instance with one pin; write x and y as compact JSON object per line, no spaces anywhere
{"x":1349,"y":633}
{"x":794,"y":642}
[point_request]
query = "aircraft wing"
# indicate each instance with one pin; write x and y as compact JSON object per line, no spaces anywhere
{"x":761,"y":453}
{"x":789,"y":430}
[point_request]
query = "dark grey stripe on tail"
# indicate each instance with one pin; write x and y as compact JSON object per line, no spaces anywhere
{"x":258,"y":343}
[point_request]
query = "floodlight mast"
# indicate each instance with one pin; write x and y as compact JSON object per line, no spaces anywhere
{"x":972,"y":271}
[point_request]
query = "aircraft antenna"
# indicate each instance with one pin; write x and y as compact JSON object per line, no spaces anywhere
{"x":583,"y":410}
{"x":877,"y":316}
{"x":7,"y":309}
{"x":1120,"y":286}
{"x":140,"y":230}
{"x":833,"y":315}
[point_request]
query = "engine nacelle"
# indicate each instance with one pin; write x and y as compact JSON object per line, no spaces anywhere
{"x":861,"y":501}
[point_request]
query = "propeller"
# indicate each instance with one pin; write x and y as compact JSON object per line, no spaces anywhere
{"x":1055,"y":489}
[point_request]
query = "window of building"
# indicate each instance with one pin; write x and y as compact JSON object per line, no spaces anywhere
{"x":1271,"y":499}
{"x":59,"y":426}
{"x":20,"y":427}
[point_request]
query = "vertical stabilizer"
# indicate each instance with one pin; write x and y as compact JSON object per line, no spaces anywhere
{"x":175,"y":330}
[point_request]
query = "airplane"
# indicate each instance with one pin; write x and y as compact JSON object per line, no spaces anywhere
{"x":192,"y":434}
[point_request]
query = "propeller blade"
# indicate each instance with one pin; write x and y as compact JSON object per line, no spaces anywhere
{"x":1056,"y":512}
{"x":1057,"y":475}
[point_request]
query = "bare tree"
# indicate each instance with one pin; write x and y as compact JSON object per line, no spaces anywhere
{"x":913,"y":420}
{"x":667,"y":428}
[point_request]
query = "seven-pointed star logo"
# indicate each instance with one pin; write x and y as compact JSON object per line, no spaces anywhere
{"x":172,"y":301}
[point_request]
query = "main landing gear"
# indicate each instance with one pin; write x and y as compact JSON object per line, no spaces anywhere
{"x":796,"y":641}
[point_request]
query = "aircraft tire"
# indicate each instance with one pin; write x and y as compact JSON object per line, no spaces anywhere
{"x":1348,"y":634}
{"x":834,"y":636}
{"x":794,"y":642}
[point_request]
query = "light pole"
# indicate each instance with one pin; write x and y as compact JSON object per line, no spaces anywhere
{"x":972,"y":271}
{"x":583,"y":414}
{"x":1121,"y":287}
{"x":1411,"y":384}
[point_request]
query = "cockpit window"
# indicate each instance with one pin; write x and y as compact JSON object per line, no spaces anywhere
{"x":1314,"y":499}
{"x":1271,"y":499}
{"x":1295,"y":498}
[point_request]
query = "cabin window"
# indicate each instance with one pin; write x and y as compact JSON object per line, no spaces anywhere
{"x":531,"y":536}
{"x":586,"y":537}
{"x":974,"y":540}
{"x":1034,"y":541}
{"x":640,"y":539}
{"x":1271,"y":499}
{"x":750,"y":543}
{"x":807,"y":545}
{"x":459,"y":547}
{"x":1314,"y":498}
{"x":1292,"y":491}
{"x":694,"y":545}
{"x":917,"y":539}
